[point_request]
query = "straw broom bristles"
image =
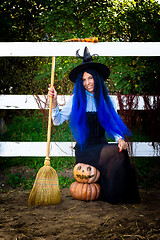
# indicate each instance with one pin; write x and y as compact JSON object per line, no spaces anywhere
{"x":46,"y":187}
{"x":45,"y":190}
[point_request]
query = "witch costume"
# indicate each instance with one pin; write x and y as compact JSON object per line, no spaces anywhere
{"x":91,"y":116}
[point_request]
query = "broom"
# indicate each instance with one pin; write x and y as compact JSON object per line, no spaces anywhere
{"x":45,"y":190}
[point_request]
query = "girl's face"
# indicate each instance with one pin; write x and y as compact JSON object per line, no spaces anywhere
{"x":88,"y":82}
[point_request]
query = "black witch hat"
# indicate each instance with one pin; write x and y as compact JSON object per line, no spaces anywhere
{"x":87,"y":63}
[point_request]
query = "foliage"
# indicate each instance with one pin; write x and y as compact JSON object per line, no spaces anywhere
{"x":129,"y":75}
{"x":108,"y":20}
{"x":61,"y":83}
{"x":40,"y":20}
{"x":18,"y":75}
{"x":19,"y":20}
{"x":136,"y":75}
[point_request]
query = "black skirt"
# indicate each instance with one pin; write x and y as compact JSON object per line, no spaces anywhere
{"x":117,"y":175}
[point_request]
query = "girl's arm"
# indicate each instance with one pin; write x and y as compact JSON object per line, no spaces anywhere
{"x":59,"y":117}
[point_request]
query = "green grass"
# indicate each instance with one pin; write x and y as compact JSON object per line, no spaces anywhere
{"x":58,"y":163}
{"x":32,"y":127}
{"x":148,"y":173}
{"x":18,"y":179}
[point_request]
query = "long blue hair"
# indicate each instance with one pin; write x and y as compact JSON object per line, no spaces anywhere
{"x":107,"y":116}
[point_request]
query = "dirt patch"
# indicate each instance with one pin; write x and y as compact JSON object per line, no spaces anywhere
{"x":73,"y":219}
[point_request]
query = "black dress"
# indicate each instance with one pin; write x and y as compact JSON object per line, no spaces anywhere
{"x":117,"y":175}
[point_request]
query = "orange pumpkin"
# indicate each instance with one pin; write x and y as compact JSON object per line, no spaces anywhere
{"x":85,"y":173}
{"x":85,"y":191}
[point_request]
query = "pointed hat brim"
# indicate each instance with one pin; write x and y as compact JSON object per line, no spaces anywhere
{"x":102,"y":69}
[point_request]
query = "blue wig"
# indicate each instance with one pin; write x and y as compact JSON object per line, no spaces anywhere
{"x":78,"y":115}
{"x":107,"y":116}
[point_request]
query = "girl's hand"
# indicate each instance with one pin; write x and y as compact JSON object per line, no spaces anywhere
{"x":122,"y":145}
{"x":52,"y":93}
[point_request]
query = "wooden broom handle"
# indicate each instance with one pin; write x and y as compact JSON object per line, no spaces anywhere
{"x":50,"y":110}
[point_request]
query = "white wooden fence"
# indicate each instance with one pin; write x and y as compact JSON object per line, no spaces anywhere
{"x":10,"y":149}
{"x":23,"y":49}
{"x":69,"y":48}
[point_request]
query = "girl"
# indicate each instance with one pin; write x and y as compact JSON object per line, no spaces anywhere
{"x":91,"y":115}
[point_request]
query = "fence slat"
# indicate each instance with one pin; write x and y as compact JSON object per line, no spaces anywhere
{"x":29,"y":101}
{"x":8,"y":49}
{"x":28,"y":149}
